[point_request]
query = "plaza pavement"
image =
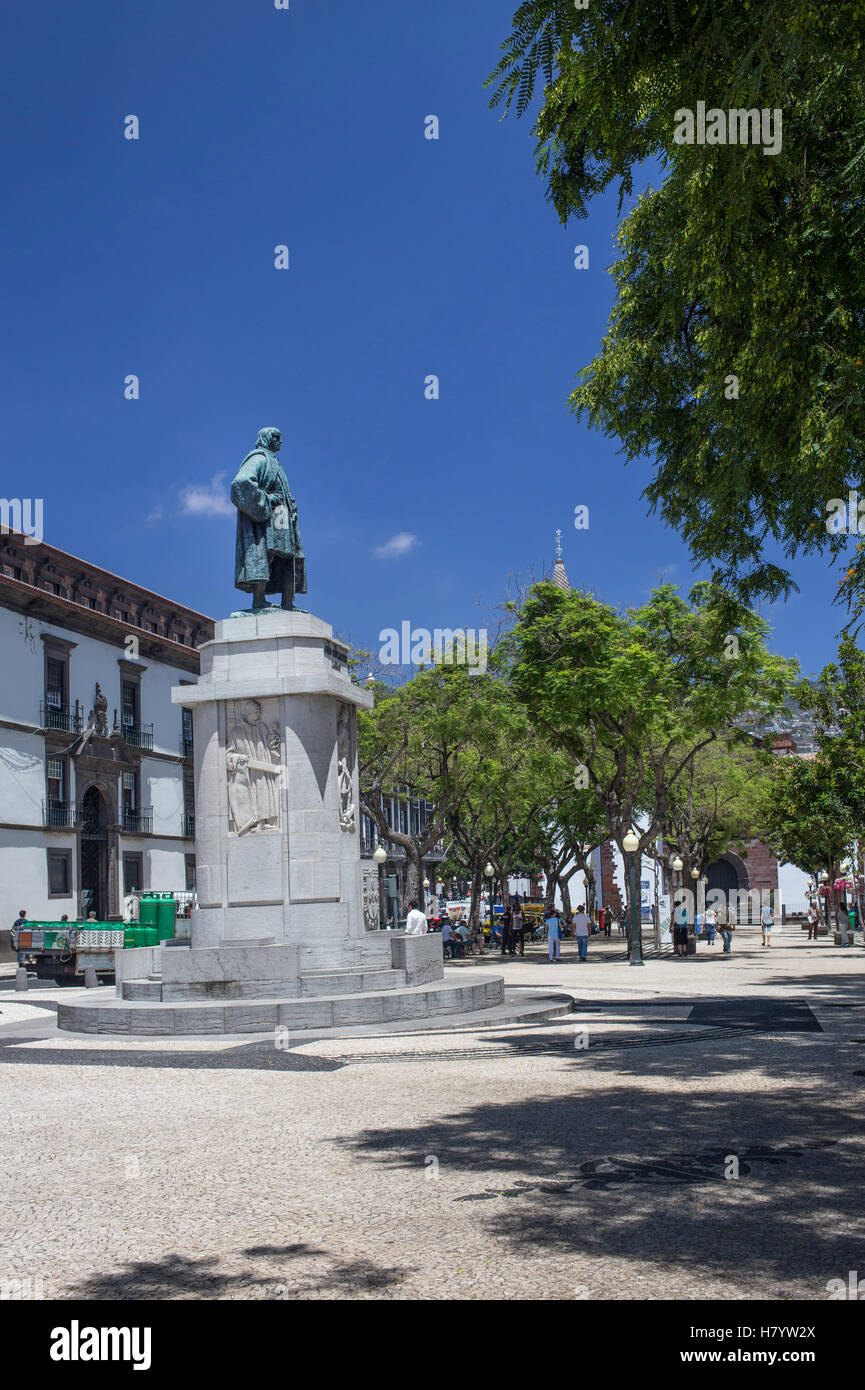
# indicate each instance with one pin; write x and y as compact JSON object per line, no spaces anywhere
{"x":580,"y":1158}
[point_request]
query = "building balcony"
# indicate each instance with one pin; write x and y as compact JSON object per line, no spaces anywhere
{"x":138,"y":822}
{"x":189,"y":826}
{"x":137,"y":735}
{"x":187,"y":747}
{"x":66,"y":720}
{"x":58,"y":815}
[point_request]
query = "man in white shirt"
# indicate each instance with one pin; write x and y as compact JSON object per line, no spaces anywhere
{"x":766,"y":923}
{"x":416,"y":923}
{"x":582,"y":926}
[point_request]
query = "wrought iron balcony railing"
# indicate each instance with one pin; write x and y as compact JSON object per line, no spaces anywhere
{"x":54,"y":717}
{"x":137,"y":735}
{"x":58,"y":815}
{"x":189,"y":825}
{"x":138,"y":822}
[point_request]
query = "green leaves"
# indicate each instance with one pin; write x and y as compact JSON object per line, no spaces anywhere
{"x":740,"y":265}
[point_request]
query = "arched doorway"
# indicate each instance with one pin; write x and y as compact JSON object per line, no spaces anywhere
{"x":730,"y":875}
{"x":93,"y":851}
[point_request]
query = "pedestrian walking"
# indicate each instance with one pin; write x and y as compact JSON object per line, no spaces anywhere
{"x":766,"y":921}
{"x":680,"y":930}
{"x":506,"y":930}
{"x":608,"y":921}
{"x":582,"y":926}
{"x":554,"y":936}
{"x":518,"y":926}
{"x":813,"y":922}
{"x":709,"y":921}
{"x":725,"y":927}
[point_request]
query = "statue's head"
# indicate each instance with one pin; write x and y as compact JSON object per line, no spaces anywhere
{"x":252,"y":711}
{"x":269,"y":438}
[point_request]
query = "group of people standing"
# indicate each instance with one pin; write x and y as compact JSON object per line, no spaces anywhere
{"x":705,"y":924}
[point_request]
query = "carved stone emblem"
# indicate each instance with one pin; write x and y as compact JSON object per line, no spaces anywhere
{"x":98,"y":717}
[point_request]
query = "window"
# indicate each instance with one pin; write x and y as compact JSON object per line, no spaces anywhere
{"x":130,"y":791}
{"x":189,"y":861}
{"x":12,"y":571}
{"x":59,"y":873}
{"x":186,"y":732}
{"x":55,"y":683}
{"x":132,"y":873}
{"x":90,"y":601}
{"x":129,"y":702}
{"x":56,"y":769}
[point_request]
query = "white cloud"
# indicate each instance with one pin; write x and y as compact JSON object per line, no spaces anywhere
{"x":212,"y":500}
{"x":400,"y":544}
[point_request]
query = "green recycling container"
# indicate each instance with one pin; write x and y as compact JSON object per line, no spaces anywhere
{"x":166,"y":916}
{"x":148,"y":909}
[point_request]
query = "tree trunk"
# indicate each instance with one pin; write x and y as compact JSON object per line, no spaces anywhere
{"x":550,"y":882}
{"x":477,"y":882}
{"x":565,"y":890}
{"x":412,"y":881}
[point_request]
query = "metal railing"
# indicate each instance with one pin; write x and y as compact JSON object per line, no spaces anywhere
{"x":187,"y":746}
{"x":137,"y":735}
{"x":66,"y":720}
{"x":58,"y":815}
{"x":138,"y":822}
{"x":189,"y":825}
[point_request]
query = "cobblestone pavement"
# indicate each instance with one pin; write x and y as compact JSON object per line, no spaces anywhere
{"x":694,"y":1130}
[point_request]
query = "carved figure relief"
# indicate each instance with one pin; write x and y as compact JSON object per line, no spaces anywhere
{"x":253,"y":757}
{"x":370,"y":897}
{"x":345,"y":768}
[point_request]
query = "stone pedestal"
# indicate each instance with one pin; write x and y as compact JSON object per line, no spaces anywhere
{"x":281,"y":936}
{"x":277,"y":801}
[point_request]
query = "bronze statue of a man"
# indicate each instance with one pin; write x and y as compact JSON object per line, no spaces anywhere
{"x":269,"y":556}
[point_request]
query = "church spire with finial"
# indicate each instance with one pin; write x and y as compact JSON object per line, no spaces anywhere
{"x":560,"y":578}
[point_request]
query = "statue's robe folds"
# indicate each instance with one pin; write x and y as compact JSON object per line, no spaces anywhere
{"x":268,"y":541}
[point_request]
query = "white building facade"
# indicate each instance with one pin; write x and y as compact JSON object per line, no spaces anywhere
{"x":96,"y":790}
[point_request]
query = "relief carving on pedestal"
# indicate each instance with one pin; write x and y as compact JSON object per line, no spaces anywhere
{"x":370,"y":897}
{"x":345,"y":767}
{"x":253,"y":758}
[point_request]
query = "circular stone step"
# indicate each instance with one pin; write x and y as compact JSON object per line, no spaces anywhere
{"x":187,"y":1017}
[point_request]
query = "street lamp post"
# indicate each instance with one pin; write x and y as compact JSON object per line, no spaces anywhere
{"x":677,"y":866}
{"x":489,"y":875}
{"x":824,"y":879}
{"x":380,"y":857}
{"x":425,"y":891}
{"x":630,"y":845}
{"x":692,"y":925}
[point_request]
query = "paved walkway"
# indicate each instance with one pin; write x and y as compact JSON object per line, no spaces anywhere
{"x":693,"y":1130}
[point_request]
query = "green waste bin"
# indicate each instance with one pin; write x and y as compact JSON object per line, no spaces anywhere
{"x":166,"y":916}
{"x":148,"y":910}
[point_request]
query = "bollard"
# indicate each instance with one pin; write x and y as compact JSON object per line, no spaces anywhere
{"x":21,"y":981}
{"x":90,"y":980}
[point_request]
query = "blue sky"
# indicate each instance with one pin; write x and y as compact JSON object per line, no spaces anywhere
{"x":408,"y":257}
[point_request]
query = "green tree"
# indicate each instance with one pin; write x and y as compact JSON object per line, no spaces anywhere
{"x":805,"y":818}
{"x":734,"y":358}
{"x":633,"y":697}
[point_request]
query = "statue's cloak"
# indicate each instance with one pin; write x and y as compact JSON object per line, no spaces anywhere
{"x":268,"y":540}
